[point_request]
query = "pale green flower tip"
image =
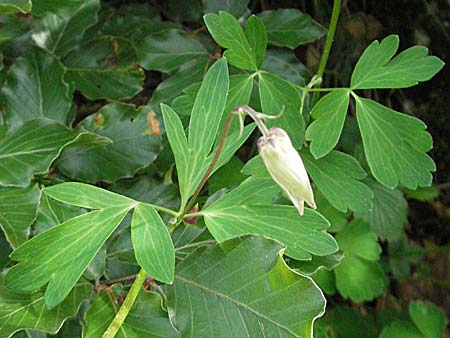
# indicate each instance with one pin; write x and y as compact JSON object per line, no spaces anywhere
{"x":286,"y":167}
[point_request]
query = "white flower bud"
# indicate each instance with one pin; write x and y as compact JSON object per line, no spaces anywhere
{"x":286,"y":167}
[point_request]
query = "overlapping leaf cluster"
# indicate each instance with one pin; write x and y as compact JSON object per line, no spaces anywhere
{"x":71,"y":70}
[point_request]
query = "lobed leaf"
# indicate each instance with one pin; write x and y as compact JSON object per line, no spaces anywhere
{"x":329,"y":117}
{"x":60,"y":255}
{"x":338,"y":176}
{"x":232,"y":215}
{"x":378,"y":68}
{"x":395,"y":145}
{"x":226,"y":281}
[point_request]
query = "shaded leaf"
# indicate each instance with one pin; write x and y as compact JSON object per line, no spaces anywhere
{"x":234,"y":7}
{"x":152,"y":243}
{"x":329,"y":115}
{"x":60,"y":255}
{"x":359,"y":277}
{"x":233,"y":215}
{"x":145,"y":319}
{"x":133,"y":147}
{"x":395,"y":145}
{"x":338,"y":176}
{"x":310,"y":267}
{"x":228,"y":33}
{"x":105,"y":68}
{"x":279,"y":96}
{"x":41,"y":7}
{"x":168,"y":50}
{"x":35,"y":88}
{"x":15,"y":6}
{"x":227,"y":282}
{"x":61,"y":33}
{"x":388,"y":215}
{"x":376,"y":68}
{"x":17,"y":212}
{"x":284,"y":63}
{"x":290,"y":27}
{"x":400,"y":329}
{"x":19,"y":311}
{"x":32,"y":147}
{"x":429,"y":319}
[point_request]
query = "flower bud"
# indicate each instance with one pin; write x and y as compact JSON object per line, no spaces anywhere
{"x":286,"y":167}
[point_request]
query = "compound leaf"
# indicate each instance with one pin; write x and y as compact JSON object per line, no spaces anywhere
{"x":60,"y":255}
{"x":395,"y":145}
{"x":376,"y":68}
{"x":227,"y":280}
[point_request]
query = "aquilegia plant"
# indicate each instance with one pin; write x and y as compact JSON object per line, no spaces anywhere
{"x":248,"y":261}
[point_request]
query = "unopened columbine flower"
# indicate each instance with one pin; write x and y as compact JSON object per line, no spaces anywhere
{"x":286,"y":167}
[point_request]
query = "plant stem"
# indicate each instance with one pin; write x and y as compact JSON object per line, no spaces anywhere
{"x":330,"y":38}
{"x":166,"y":210}
{"x":328,"y":42}
{"x":126,"y":306}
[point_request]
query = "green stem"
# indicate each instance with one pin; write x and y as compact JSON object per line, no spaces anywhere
{"x":126,"y":306}
{"x":166,"y":210}
{"x":330,"y":38}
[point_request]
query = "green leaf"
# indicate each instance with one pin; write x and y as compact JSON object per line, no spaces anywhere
{"x":227,"y":282}
{"x":388,"y":215}
{"x":105,"y":68}
{"x":152,"y":243}
{"x":86,"y":196}
{"x":316,"y":263}
{"x":376,"y":68}
{"x":208,"y":109}
{"x":134,"y":147}
{"x":19,"y":311}
{"x":61,"y":33}
{"x":15,"y":6}
{"x":395,"y":145}
{"x":348,"y":322}
{"x":35,"y":88}
{"x":256,"y":34}
{"x":228,"y":33}
{"x":329,"y":115}
{"x":227,"y":176}
{"x":235,"y":7}
{"x":359,"y":277}
{"x":429,"y":319}
{"x":17,"y":212}
{"x":168,"y":50}
{"x":146,"y":318}
{"x":188,"y":73}
{"x":60,"y":255}
{"x":278,"y":95}
{"x":424,"y":194}
{"x":41,"y":7}
{"x":338,"y":176}
{"x":233,"y":215}
{"x":401,"y":329}
{"x":290,"y":27}
{"x":32,"y":147}
{"x":284,"y":63}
